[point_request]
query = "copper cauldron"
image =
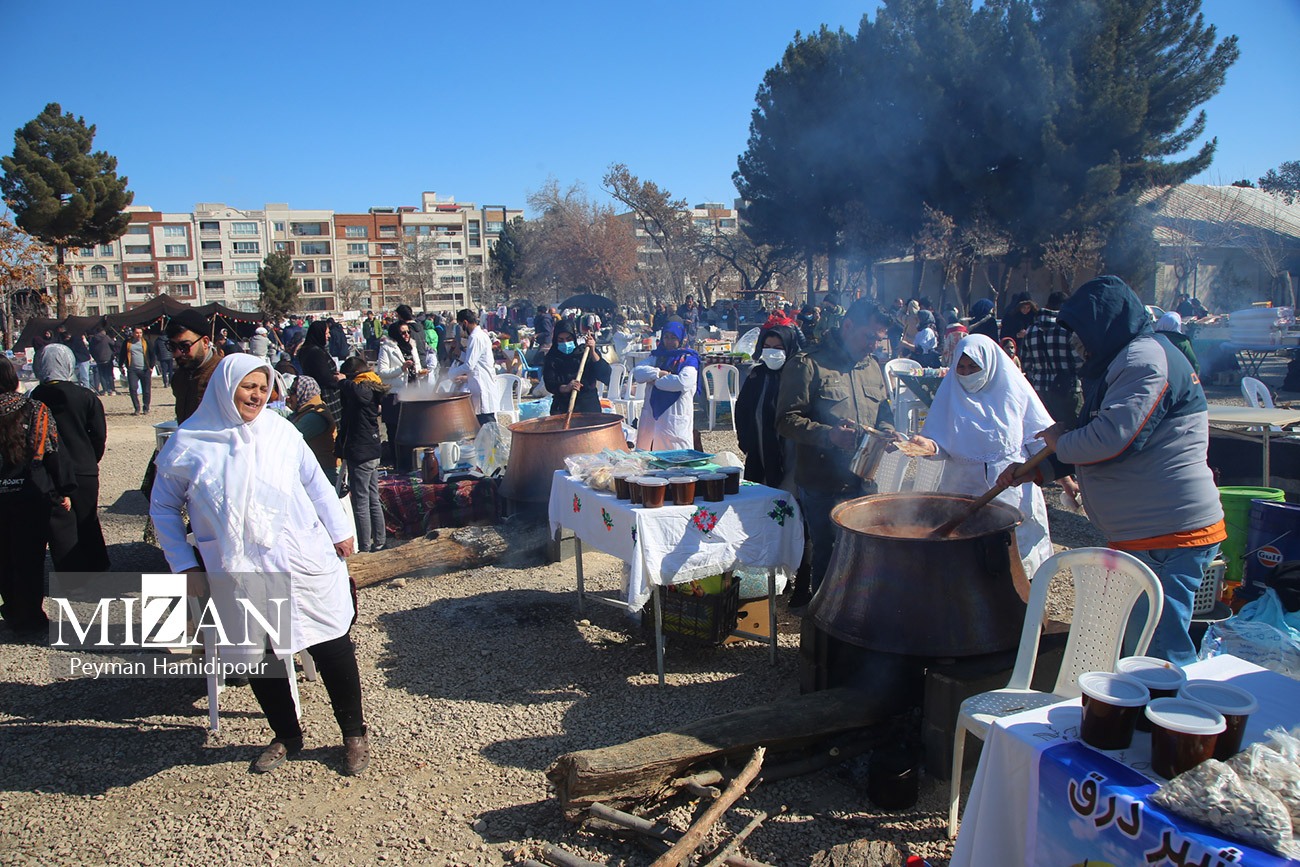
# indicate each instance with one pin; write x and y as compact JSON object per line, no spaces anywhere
{"x":891,"y":586}
{"x":539,"y":446}
{"x":433,"y":421}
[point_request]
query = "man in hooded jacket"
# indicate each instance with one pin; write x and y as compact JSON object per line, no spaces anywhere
{"x":1138,"y":450}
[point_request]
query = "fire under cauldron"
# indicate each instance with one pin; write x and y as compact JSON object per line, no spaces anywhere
{"x":539,"y":446}
{"x":895,"y":598}
{"x":430,"y":422}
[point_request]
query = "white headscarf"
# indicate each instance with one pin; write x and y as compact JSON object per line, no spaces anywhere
{"x":56,"y":362}
{"x":992,"y":423}
{"x":1170,"y":322}
{"x":239,"y":475}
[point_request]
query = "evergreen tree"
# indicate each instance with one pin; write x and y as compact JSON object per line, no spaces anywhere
{"x":1283,"y":181}
{"x":60,"y":192}
{"x":508,"y":256}
{"x":279,"y":286}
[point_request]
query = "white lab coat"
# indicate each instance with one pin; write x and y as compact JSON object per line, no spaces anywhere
{"x":675,"y":429}
{"x":476,"y":361}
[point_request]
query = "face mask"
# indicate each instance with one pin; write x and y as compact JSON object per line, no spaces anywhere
{"x":973,"y":382}
{"x":1077,"y":345}
{"x":773,"y":358}
{"x":567,"y":346}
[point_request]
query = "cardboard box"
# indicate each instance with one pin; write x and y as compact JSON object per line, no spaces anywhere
{"x":753,"y":618}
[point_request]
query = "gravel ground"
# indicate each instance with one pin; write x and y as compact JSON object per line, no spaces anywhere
{"x":473,"y":683}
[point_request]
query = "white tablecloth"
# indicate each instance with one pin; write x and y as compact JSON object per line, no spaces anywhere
{"x":1029,"y":803}
{"x":759,"y":528}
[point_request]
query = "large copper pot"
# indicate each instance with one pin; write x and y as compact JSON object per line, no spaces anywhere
{"x":433,"y":421}
{"x":891,"y":586}
{"x":539,"y":446}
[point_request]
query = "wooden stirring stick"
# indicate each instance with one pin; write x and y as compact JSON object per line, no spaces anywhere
{"x":947,"y":528}
{"x":573,"y":395}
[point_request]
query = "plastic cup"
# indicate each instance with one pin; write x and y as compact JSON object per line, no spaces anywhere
{"x":1162,"y":678}
{"x":1183,"y":734}
{"x":621,"y":488}
{"x":634,"y":490}
{"x":1236,"y":705}
{"x":714,"y":486}
{"x":733,"y":475}
{"x":652,"y":492}
{"x":1111,"y":705}
{"x":683,"y":490}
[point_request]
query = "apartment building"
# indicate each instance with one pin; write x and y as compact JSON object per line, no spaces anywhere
{"x":434,"y":256}
{"x":709,"y":219}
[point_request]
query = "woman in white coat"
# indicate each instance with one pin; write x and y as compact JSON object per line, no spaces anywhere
{"x":984,"y":417}
{"x":266,"y":522}
{"x":476,"y":369}
{"x":668,"y":418}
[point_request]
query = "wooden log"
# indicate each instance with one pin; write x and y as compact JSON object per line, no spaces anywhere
{"x":702,"y":791}
{"x":561,"y":858}
{"x":450,"y":551}
{"x":626,"y":773}
{"x":730,"y":849}
{"x":704,"y":778}
{"x":694,"y":835}
{"x":658,"y":837}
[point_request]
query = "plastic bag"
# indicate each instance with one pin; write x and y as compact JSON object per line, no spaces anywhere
{"x":1214,"y":794}
{"x":492,"y":447}
{"x":1266,"y":767}
{"x":1259,"y":633}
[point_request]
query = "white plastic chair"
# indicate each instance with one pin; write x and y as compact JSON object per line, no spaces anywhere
{"x":891,"y":473}
{"x":1107,"y":584}
{"x":617,"y":387}
{"x":721,"y":382}
{"x":906,"y":405}
{"x":512,"y":392}
{"x":1257,"y":395}
{"x":630,"y":406}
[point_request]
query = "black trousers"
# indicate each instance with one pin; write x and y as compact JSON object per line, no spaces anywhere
{"x":24,"y":532}
{"x":144,"y":379}
{"x":76,"y":539}
{"x":107,"y":382}
{"x":336,"y":660}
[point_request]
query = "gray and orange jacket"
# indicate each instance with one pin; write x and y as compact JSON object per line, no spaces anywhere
{"x":1140,"y":445}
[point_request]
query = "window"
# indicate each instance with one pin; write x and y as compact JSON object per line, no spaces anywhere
{"x":415,"y":230}
{"x":245,"y":267}
{"x":281,"y":246}
{"x":446,"y":262}
{"x":476,"y":260}
{"x":212,"y":267}
{"x":496,"y":226}
{"x":301,"y":266}
{"x":92,"y":291}
{"x":112,"y":308}
{"x":92,"y":311}
{"x":358,"y":249}
{"x":728,"y":223}
{"x":140,"y":269}
{"x":307,"y":228}
{"x":110,"y":291}
{"x":117,"y":270}
{"x":326,"y":266}
{"x":98,"y":272}
{"x":173,"y":231}
{"x":140,"y":289}
{"x":247,"y":247}
{"x":181,"y":270}
{"x":208,"y":227}
{"x":451,"y":281}
{"x":137,"y":249}
{"x":210,"y":246}
{"x":327,"y":284}
{"x":176,"y":250}
{"x":388,"y":249}
{"x":356,"y":232}
{"x":243,"y":228}
{"x":244,"y":287}
{"x":212,"y":285}
{"x":279,"y":227}
{"x":317,"y":304}
{"x":137,"y":229}
{"x":444,"y":245}
{"x":358,"y":267}
{"x":388,"y":231}
{"x":106,"y":249}
{"x":314,"y":248}
{"x":309,"y":285}
{"x":182,"y":290}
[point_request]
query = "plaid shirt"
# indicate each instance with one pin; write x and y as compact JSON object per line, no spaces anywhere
{"x":1047,"y":357}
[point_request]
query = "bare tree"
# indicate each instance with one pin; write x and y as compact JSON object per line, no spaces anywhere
{"x":577,"y":243}
{"x":756,"y":265}
{"x":350,"y":292}
{"x":415,"y":275}
{"x":665,"y":221}
{"x":1068,"y":256}
{"x":22,"y":277}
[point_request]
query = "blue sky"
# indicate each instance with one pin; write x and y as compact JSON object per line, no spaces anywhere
{"x":348,"y":105}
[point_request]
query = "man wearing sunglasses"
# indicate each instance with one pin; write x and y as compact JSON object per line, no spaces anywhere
{"x":189,"y":335}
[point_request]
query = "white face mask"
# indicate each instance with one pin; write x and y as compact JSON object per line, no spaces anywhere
{"x":973,"y":382}
{"x":773,"y":358}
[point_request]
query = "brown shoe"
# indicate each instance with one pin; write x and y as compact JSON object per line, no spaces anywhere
{"x":276,"y":754}
{"x":356,"y":755}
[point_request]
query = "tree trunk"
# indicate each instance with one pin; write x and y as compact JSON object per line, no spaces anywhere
{"x":640,"y":769}
{"x":61,"y":283}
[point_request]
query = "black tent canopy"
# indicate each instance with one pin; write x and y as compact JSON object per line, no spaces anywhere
{"x":588,"y":301}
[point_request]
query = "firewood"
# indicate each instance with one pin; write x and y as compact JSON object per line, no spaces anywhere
{"x":560,"y":858}
{"x":658,"y":837}
{"x":730,"y":849}
{"x":643,"y":769}
{"x":695,"y":834}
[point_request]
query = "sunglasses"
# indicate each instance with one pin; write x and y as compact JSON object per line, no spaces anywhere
{"x":182,"y":345}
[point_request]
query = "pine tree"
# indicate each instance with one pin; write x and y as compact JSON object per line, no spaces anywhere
{"x":62,"y":193}
{"x":279,"y":286}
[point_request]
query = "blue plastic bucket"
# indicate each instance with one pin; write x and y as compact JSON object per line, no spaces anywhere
{"x":1274,"y":537}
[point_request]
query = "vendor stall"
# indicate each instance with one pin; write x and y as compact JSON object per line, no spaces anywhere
{"x":1041,"y":797}
{"x":1250,"y":358}
{"x":758,"y":527}
{"x":1254,"y":422}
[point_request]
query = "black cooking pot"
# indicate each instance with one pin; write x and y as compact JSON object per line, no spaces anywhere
{"x":891,"y":586}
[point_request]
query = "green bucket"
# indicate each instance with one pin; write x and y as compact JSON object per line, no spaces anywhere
{"x":1236,"y":515}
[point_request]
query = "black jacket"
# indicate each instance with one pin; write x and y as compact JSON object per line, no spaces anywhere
{"x":558,"y":369}
{"x":101,"y":348}
{"x":763,"y":448}
{"x":79,"y":415}
{"x":358,"y":432}
{"x":317,"y":363}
